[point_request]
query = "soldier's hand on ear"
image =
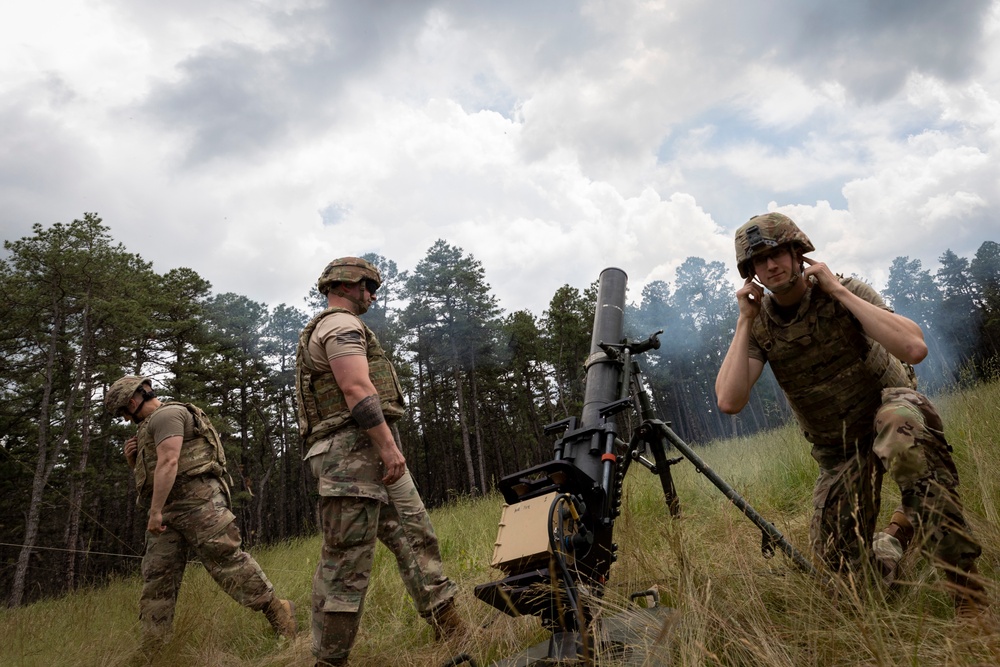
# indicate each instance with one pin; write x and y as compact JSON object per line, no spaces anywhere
{"x":749,"y":297}
{"x":825,"y":278}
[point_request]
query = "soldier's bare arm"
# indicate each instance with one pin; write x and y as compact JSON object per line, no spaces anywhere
{"x":901,"y":336}
{"x":351,"y":373}
{"x":168,"y":453}
{"x":738,"y":373}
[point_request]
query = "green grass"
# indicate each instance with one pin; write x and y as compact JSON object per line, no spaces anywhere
{"x":733,"y":607}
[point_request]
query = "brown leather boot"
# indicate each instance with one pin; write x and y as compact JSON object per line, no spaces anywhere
{"x":890,"y":546}
{"x":447,"y":623}
{"x":900,"y":528}
{"x":281,"y":615}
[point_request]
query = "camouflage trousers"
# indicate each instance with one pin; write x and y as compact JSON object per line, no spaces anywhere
{"x":908,"y":444}
{"x":199,"y":524}
{"x":351,"y":526}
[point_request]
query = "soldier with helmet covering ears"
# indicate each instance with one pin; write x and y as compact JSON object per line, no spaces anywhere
{"x":842,"y":357}
{"x":180,"y":475}
{"x":348,"y":399}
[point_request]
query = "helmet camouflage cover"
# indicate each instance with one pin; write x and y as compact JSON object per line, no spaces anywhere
{"x":121,"y":391}
{"x":347,"y":270}
{"x":764,"y":232}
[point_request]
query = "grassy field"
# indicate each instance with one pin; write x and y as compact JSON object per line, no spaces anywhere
{"x":732,"y":607}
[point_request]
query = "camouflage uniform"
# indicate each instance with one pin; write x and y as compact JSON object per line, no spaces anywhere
{"x":856,"y":405}
{"x":355,"y":507}
{"x":198,"y":523}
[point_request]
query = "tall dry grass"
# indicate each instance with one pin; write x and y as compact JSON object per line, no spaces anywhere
{"x":731,"y":606}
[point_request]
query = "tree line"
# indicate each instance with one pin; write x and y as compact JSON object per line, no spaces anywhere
{"x":78,"y":310}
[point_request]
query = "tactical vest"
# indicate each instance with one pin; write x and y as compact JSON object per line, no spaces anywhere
{"x":831,"y":372}
{"x":322,"y":407}
{"x":201,"y":455}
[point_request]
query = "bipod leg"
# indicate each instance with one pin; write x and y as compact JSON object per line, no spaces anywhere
{"x":650,"y":436}
{"x":770,"y":535}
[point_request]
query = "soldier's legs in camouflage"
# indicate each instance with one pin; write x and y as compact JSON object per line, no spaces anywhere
{"x":911,"y":445}
{"x":350,"y":529}
{"x":405,"y":528}
{"x":212,"y":532}
{"x":845,"y":507}
{"x":162,"y":572}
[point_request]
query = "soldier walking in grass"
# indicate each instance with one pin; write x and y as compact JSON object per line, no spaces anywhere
{"x":348,"y":397}
{"x":180,"y":476}
{"x":842,"y":358}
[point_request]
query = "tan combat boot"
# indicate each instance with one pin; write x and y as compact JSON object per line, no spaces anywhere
{"x":447,"y":623}
{"x":281,"y":615}
{"x":889,"y":546}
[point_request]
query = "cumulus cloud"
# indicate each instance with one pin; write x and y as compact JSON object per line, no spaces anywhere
{"x":255,"y":142}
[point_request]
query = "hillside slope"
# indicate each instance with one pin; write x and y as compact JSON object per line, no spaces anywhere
{"x":733,"y":607}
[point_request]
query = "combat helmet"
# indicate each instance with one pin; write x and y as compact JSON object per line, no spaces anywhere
{"x":121,"y":391}
{"x":347,"y":270}
{"x":763,"y":232}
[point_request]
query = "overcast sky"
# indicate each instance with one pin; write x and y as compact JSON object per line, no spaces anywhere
{"x":255,"y":141}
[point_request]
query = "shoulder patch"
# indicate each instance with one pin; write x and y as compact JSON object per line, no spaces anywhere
{"x":348,"y":337}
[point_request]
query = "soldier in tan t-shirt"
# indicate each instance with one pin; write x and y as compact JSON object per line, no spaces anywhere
{"x":180,"y":474}
{"x":842,"y":358}
{"x":349,"y":399}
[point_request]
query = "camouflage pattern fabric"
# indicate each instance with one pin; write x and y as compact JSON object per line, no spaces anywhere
{"x":763,"y":232}
{"x":347,"y":464}
{"x":350,"y":528}
{"x":199,"y":524}
{"x":846,"y":500}
{"x":352,"y":520}
{"x":856,"y":404}
{"x":407,"y":531}
{"x":908,"y":443}
{"x":911,"y":446}
{"x":831,"y":373}
{"x":322,"y":407}
{"x":347,"y":270}
{"x":202,"y":453}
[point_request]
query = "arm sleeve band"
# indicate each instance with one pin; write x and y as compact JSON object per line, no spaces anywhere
{"x":368,"y":412}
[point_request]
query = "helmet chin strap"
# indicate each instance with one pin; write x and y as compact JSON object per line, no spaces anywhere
{"x":362,"y":307}
{"x":789,"y":284}
{"x":146,"y":397}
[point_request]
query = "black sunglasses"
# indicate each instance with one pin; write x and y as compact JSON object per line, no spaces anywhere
{"x":371,"y":286}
